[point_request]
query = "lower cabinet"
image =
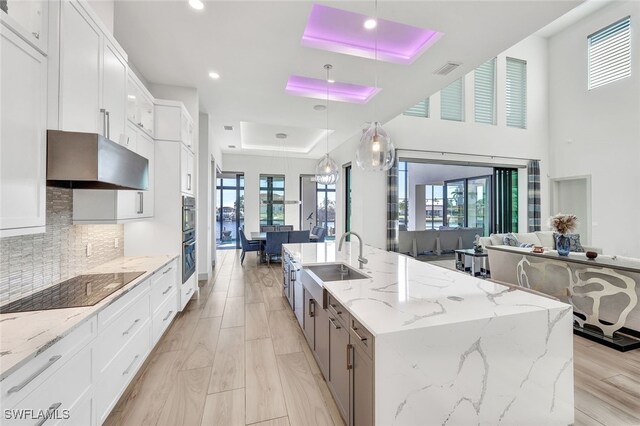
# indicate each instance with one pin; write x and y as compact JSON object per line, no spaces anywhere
{"x":338,"y":379}
{"x":362,"y":385}
{"x":322,"y":329}
{"x":309,"y":322}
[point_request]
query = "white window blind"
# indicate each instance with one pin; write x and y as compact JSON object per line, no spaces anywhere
{"x":421,"y":109}
{"x":609,"y":55}
{"x":452,"y":101}
{"x":485,"y":92}
{"x":516,"y":93}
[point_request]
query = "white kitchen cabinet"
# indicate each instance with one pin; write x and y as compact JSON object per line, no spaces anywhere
{"x":29,"y":20}
{"x":119,"y":206}
{"x":187,"y":166}
{"x":173,"y":123}
{"x":140,"y":108}
{"x":23,"y":102}
{"x":93,"y":76}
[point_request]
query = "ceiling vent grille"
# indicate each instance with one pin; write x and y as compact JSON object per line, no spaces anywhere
{"x":447,"y":68}
{"x":228,"y":128}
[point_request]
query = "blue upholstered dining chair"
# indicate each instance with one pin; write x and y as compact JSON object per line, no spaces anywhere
{"x":321,"y":233}
{"x":267,"y":228}
{"x":298,"y":236}
{"x":247,"y":245}
{"x":273,"y":246}
{"x":285,"y":228}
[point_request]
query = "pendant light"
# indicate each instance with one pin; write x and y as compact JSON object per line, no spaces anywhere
{"x":327,"y":172}
{"x":375,"y":151}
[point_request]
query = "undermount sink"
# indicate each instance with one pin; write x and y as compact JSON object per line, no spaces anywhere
{"x":336,"y":272}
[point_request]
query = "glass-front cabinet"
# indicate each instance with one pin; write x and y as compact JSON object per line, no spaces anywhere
{"x":28,"y":19}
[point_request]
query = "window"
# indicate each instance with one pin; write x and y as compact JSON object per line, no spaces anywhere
{"x":452,"y":101}
{"x":229,"y":210}
{"x":434,"y":206}
{"x":271,"y":200}
{"x":516,"y":92}
{"x":609,"y":55}
{"x":421,"y":109}
{"x":485,"y":92}
{"x":326,"y":208}
{"x":347,"y":194}
{"x":403,"y":207}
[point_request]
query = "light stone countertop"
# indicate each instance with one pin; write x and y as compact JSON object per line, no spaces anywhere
{"x":404,"y":294}
{"x":24,"y":335}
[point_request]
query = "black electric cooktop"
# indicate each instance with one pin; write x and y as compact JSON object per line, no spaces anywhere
{"x":83,"y":290}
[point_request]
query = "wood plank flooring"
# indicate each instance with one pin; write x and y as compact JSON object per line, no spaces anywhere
{"x":236,"y":356}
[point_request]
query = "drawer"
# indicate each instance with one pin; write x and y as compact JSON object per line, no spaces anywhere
{"x":113,"y":311}
{"x":30,"y":376}
{"x":186,"y":291}
{"x":163,"y":316}
{"x":361,"y":336}
{"x":64,"y":391}
{"x":162,"y":283}
{"x":116,"y":336}
{"x":334,"y":307}
{"x":114,"y":379}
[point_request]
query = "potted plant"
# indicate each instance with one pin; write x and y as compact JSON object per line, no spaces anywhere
{"x":563,"y":224}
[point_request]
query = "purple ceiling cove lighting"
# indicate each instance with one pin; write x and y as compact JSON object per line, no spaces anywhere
{"x":317,"y":89}
{"x":341,"y":31}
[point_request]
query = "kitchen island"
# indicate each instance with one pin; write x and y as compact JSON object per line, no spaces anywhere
{"x":440,"y":347}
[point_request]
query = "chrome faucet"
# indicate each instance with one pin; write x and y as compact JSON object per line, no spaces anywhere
{"x":361,"y":259}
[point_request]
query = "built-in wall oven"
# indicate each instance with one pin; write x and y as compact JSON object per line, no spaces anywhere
{"x":188,"y":237}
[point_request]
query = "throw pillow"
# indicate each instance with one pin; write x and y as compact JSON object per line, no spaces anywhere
{"x":526,"y":245}
{"x":574,"y":242}
{"x":511,"y":240}
{"x":497,"y":239}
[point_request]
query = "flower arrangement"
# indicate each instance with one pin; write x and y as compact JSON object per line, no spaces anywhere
{"x":564,"y":223}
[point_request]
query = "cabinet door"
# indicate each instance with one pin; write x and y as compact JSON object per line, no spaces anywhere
{"x":145,"y":112}
{"x":309,"y":323}
{"x":114,"y":92}
{"x":23,"y":84}
{"x":362,"y":382}
{"x":80,"y":62}
{"x":186,"y":170}
{"x":322,"y":339}
{"x":146,"y":148}
{"x":131,"y":139}
{"x":338,"y":369}
{"x":133,"y":96}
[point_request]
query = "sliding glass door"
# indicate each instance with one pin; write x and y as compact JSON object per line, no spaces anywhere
{"x":505,"y":214}
{"x":271,"y":200}
{"x":229,"y":210}
{"x":479,"y":203}
{"x":326,"y":209}
{"x":455,"y":203}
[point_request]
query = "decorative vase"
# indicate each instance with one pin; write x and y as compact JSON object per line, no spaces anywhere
{"x":563,"y":245}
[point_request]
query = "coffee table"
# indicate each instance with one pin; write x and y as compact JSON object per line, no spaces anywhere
{"x":461,"y":256}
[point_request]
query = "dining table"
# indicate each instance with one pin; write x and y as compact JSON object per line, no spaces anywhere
{"x":262,"y":236}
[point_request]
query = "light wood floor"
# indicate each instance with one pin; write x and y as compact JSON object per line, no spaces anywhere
{"x":236,"y":356}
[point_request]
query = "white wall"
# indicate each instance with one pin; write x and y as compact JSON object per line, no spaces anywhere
{"x":467,"y":138}
{"x":597,"y":132}
{"x":253,"y":167}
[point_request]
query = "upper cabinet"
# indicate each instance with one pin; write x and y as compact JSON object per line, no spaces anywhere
{"x":93,"y":76}
{"x":23,"y":84}
{"x":28,"y":19}
{"x":173,"y":123}
{"x":140,"y":110}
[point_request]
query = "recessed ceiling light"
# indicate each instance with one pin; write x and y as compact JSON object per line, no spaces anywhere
{"x":281,"y":135}
{"x":370,"y":24}
{"x":196,"y":4}
{"x":331,"y":81}
{"x":232,"y":146}
{"x":319,"y":107}
{"x":228,"y":128}
{"x":214,"y":75}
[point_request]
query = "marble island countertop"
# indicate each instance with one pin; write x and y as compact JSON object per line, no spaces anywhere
{"x":25,"y":334}
{"x":404,"y":294}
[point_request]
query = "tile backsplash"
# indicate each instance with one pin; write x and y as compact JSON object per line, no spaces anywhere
{"x":29,"y":262}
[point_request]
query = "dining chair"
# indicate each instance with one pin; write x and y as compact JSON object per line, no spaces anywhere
{"x":247,"y":245}
{"x":285,"y":228}
{"x":298,"y":236}
{"x":267,"y":228}
{"x":273,"y":245}
{"x":321,"y":233}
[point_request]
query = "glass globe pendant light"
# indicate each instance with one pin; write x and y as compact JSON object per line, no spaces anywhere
{"x":327,"y":171}
{"x":375,"y":152}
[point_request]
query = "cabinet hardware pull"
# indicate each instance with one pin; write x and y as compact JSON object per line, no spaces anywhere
{"x":108,"y":125}
{"x":333,"y":308}
{"x":36,"y":35}
{"x":104,"y":122}
{"x":189,"y":181}
{"x":135,"y":358}
{"x":312,"y":308}
{"x":28,"y":380}
{"x":190,"y":291}
{"x":349,"y":363}
{"x":140,"y":203}
{"x":293,"y":275}
{"x":167,"y":290}
{"x":362,"y":338}
{"x":52,"y":407}
{"x":167,"y":270}
{"x":333,"y":323}
{"x":124,"y":333}
{"x":141,"y":125}
{"x":167,"y":317}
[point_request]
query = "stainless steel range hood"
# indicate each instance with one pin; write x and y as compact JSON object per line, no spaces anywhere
{"x":91,"y":161}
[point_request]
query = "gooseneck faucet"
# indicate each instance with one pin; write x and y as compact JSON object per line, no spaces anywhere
{"x":361,"y":259}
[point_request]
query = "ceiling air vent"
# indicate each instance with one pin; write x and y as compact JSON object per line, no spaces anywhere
{"x":228,"y":128}
{"x":232,"y":146}
{"x":447,"y":68}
